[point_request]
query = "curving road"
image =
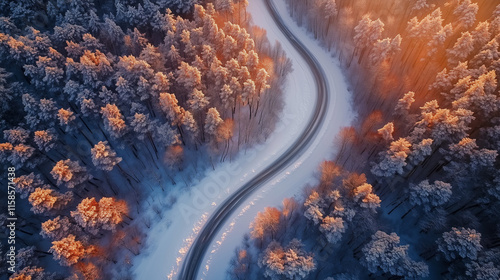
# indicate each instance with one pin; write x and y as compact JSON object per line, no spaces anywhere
{"x":200,"y":246}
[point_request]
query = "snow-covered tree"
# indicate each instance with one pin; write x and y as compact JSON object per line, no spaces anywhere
{"x":466,"y":155}
{"x":480,"y":96}
{"x":420,"y":4}
{"x":26,"y":184}
{"x":460,"y":243}
{"x":441,"y":124}
{"x":386,"y":131}
{"x":16,"y":135}
{"x":363,"y":193}
{"x":333,"y":228}
{"x":20,"y":154}
{"x":466,"y":13}
{"x":481,"y":34}
{"x":197,"y":100}
{"x":384,"y":49}
{"x":367,"y":32}
{"x":482,"y":270}
{"x":314,"y":204}
{"x":103,"y":157}
{"x":45,"y":200}
{"x":57,"y":228}
{"x":421,"y":151}
{"x":66,"y":118}
{"x":212,"y":121}
{"x":430,"y":195}
{"x":113,"y":120}
{"x":487,"y":55}
{"x":141,"y":124}
{"x":32,"y":273}
{"x":291,"y":262}
{"x":69,"y":251}
{"x":224,"y":6}
{"x":69,"y":173}
{"x":188,"y":76}
{"x":111,"y":212}
{"x":165,"y":135}
{"x":26,"y":257}
{"x":383,"y":253}
{"x":393,"y":160}
{"x":45,"y":139}
{"x":266,"y":223}
{"x":462,"y":48}
{"x":446,"y":80}
{"x":169,"y":105}
{"x":426,"y":28}
{"x":439,"y":39}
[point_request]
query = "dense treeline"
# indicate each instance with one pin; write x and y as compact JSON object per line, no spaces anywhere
{"x":424,"y":77}
{"x":102,"y":103}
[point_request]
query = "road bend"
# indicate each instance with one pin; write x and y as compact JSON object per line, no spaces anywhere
{"x":215,"y":223}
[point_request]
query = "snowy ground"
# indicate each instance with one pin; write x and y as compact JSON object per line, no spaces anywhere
{"x":167,"y":245}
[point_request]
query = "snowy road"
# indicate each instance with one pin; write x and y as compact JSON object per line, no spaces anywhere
{"x":170,"y":240}
{"x":222,"y":214}
{"x":196,"y":255}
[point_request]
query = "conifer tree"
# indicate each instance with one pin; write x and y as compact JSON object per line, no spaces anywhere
{"x":103,"y":157}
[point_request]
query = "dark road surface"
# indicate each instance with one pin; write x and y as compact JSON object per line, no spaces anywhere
{"x":214,"y":224}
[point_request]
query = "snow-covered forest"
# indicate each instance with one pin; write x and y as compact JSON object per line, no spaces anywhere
{"x":105,"y":103}
{"x":413,"y":191}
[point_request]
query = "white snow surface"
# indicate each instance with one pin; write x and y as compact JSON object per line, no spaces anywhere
{"x":169,"y":240}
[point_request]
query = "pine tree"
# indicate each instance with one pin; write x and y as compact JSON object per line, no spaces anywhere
{"x":421,"y":151}
{"x":430,"y":195}
{"x":169,"y":105}
{"x":426,"y":28}
{"x":16,"y":135}
{"x":460,"y":243}
{"x":103,"y":157}
{"x":142,"y":125}
{"x":32,"y":273}
{"x":69,"y":251}
{"x":333,"y":228}
{"x":111,"y":212}
{"x":462,"y":48}
{"x":45,"y":139}
{"x":386,"y":131}
{"x":439,"y":39}
{"x":363,"y":194}
{"x":482,"y":271}
{"x":314,"y":204}
{"x":66,"y":119}
{"x":69,"y":173}
{"x":57,"y":228}
{"x":212,"y":121}
{"x":466,"y":13}
{"x":113,"y":120}
{"x":393,"y":160}
{"x":487,"y":55}
{"x":26,"y":184}
{"x":384,"y":49}
{"x":45,"y":200}
{"x":383,"y":253}
{"x":188,"y":76}
{"x":291,"y":262}
{"x":197,"y":100}
{"x":404,"y":104}
{"x":87,"y":215}
{"x":367,"y":32}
